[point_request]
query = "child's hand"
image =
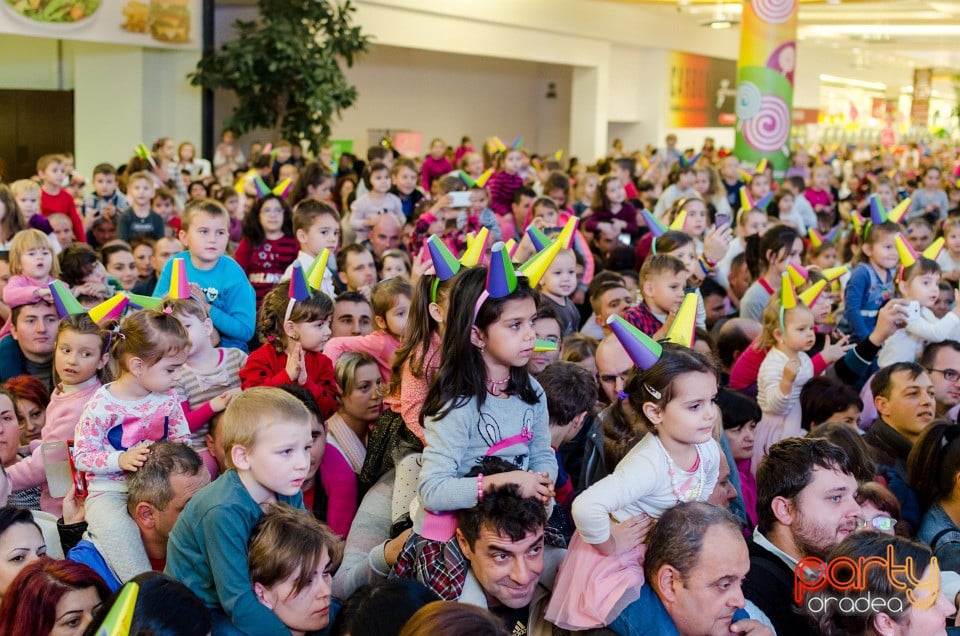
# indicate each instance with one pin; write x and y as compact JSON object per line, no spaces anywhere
{"x":220,"y":403}
{"x":833,"y":351}
{"x":422,"y":266}
{"x":197,"y":293}
{"x":74,"y":508}
{"x":630,"y":533}
{"x":133,"y":459}
{"x":393,"y":547}
{"x":791,"y":370}
{"x":44,"y":294}
{"x":365,"y":291}
{"x":717,"y":242}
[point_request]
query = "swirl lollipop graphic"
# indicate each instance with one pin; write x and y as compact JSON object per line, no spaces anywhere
{"x":773,"y":11}
{"x":769,"y":130}
{"x":748,"y":102}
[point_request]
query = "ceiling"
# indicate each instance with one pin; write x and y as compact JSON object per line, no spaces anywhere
{"x":900,"y":32}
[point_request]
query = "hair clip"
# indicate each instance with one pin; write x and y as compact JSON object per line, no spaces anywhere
{"x":652,"y":391}
{"x":167,"y":310}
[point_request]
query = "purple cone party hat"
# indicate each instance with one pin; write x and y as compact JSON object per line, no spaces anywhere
{"x":657,"y":228}
{"x":179,"y":285}
{"x":110,"y":309}
{"x":445,"y":264}
{"x":537,"y":237}
{"x":684,"y":325}
{"x":298,"y":289}
{"x":317,"y":269}
{"x":643,"y":350}
{"x":877,"y":214}
{"x":65,"y":302}
{"x":501,"y":277}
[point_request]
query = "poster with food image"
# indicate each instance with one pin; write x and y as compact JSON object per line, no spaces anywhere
{"x":150,"y":23}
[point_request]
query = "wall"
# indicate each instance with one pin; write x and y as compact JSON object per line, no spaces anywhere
{"x":123,"y":95}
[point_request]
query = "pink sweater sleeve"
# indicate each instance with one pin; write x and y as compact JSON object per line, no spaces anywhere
{"x":340,"y":483}
{"x":381,"y":345}
{"x":746,"y":368}
{"x":63,"y":413}
{"x":20,"y":291}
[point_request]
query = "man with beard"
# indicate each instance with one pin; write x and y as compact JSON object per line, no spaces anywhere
{"x":942,"y":362}
{"x":805,"y":506}
{"x":904,"y":397}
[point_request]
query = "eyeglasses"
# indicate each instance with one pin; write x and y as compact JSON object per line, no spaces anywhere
{"x":273,"y":211}
{"x":882,"y":523}
{"x":950,"y":375}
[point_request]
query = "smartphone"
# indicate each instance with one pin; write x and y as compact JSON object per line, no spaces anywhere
{"x":460,"y":199}
{"x":723,"y":220}
{"x":58,"y":466}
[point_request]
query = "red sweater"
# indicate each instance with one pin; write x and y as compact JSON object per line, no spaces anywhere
{"x":62,"y":203}
{"x":266,"y":263}
{"x":266,"y":367}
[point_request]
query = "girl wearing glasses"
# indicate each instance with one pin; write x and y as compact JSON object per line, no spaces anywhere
{"x":268,"y":245}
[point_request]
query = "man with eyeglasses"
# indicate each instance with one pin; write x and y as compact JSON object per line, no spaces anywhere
{"x":942,"y":362}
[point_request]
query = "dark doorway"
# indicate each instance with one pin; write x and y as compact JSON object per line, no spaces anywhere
{"x":33,"y":124}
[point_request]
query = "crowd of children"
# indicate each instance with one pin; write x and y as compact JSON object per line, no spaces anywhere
{"x":312,"y":328}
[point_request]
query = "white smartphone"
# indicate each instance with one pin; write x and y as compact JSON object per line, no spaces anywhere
{"x":460,"y":199}
{"x":56,"y":464}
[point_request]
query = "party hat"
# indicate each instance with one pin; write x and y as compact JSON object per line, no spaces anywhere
{"x":262,"y":188}
{"x":644,"y":163}
{"x":871,"y":178}
{"x":517,"y":143}
{"x":892,"y":173}
{"x":138,"y":301}
{"x":536,"y":267}
{"x":467,"y":179}
{"x":832,"y":235}
{"x":268,"y":149}
{"x":109,"y":309}
{"x":898,"y":212}
{"x":445,"y":263}
{"x":501,"y":277}
{"x":657,"y":228}
{"x":744,"y":175}
{"x":179,"y":285}
{"x":762,"y":166}
{"x":788,"y":294}
{"x":746,"y":202}
{"x":685,"y":322}
{"x":239,"y":186}
{"x":934,"y":249}
{"x":764,"y":201}
{"x":816,"y":238}
{"x":813,"y":292}
{"x":858,"y":223}
{"x":511,"y":247}
{"x":317,"y":269}
{"x":482,"y":179}
{"x":298,"y":289}
{"x":833,"y":273}
{"x":877,"y":214}
{"x":283,"y":188}
{"x":541,"y":346}
{"x":566,"y":234}
{"x":498,"y":144}
{"x":120,"y":617}
{"x":475,"y":249}
{"x":642,"y":349}
{"x":558,"y":155}
{"x":679,"y":222}
{"x":798,"y":274}
{"x":685,"y":163}
{"x":908,"y":255}
{"x":66,"y":303}
{"x":537,"y":237}
{"x":142,"y":151}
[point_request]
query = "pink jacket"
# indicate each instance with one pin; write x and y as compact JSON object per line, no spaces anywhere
{"x":413,"y":390}
{"x":340,"y":483}
{"x":379,"y":344}
{"x":21,"y":290}
{"x":63,"y":413}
